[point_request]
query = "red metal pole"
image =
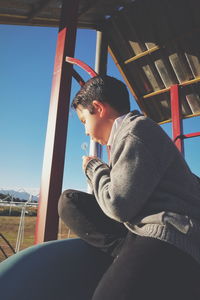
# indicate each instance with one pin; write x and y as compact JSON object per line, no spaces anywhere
{"x":177,"y":126}
{"x":81,"y":64}
{"x":191,"y":135}
{"x":54,"y":154}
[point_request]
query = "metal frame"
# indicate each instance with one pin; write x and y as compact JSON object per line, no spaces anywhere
{"x":54,"y":154}
{"x":177,"y":122}
{"x":101,"y":69}
{"x":75,"y":61}
{"x":52,"y":174}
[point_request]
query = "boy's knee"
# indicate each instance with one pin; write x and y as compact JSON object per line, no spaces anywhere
{"x":65,"y":201}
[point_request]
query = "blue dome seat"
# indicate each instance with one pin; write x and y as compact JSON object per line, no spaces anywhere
{"x":57,"y":270}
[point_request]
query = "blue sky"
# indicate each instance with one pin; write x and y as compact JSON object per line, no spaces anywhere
{"x":26,"y":66}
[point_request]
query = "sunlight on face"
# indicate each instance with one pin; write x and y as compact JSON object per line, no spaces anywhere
{"x":95,"y":126}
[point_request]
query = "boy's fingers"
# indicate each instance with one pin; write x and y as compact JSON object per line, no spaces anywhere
{"x":86,"y":159}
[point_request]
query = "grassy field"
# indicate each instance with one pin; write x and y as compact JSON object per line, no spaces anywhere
{"x":9,"y":228}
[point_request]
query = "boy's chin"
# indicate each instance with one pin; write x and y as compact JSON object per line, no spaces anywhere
{"x":100,"y":142}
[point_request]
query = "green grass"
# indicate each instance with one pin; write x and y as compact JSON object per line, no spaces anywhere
{"x":9,"y":228}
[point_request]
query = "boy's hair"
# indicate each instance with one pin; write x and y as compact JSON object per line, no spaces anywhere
{"x":104,"y":89}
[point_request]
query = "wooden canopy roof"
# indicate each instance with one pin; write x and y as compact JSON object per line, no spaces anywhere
{"x":154,"y":43}
{"x":91,"y":13}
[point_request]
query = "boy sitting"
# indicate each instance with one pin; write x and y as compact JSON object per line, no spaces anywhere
{"x":145,"y":207}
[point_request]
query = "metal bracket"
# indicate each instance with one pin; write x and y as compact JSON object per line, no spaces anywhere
{"x":82,"y":65}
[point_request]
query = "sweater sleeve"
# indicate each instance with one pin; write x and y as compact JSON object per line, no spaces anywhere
{"x":123,"y":190}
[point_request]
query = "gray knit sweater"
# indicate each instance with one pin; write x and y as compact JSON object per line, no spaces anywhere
{"x":148,"y":185}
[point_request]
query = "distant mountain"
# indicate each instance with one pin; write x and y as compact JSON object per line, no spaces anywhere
{"x":23,"y":195}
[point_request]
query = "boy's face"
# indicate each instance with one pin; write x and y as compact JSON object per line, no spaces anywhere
{"x":96,"y":125}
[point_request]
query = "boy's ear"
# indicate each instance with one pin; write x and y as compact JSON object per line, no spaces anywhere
{"x":99,"y":107}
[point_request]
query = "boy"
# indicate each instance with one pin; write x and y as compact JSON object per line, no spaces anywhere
{"x":145,"y":207}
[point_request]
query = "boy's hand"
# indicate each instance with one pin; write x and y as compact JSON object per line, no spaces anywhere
{"x":86,"y":159}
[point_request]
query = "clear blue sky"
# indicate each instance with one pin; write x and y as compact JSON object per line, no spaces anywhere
{"x":26,"y":66}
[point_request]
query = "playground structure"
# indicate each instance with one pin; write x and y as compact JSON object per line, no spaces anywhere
{"x":155,"y":45}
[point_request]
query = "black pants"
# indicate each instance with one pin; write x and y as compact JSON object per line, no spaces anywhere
{"x":142,"y":268}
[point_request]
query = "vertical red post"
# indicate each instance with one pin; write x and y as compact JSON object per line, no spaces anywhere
{"x":54,"y":153}
{"x":177,"y":123}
